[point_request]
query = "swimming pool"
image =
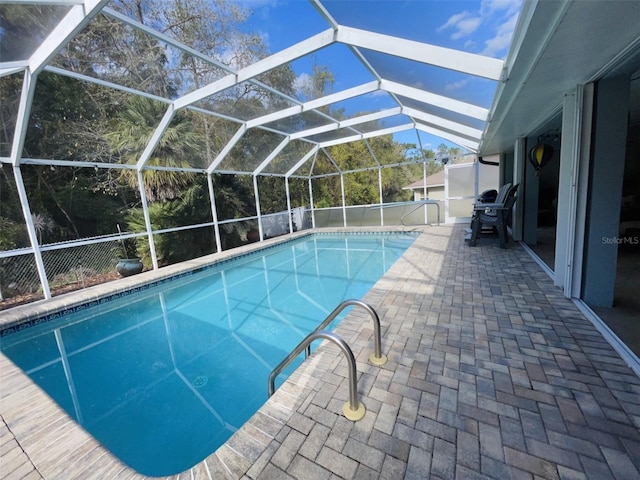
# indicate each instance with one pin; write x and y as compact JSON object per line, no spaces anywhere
{"x":164,"y":376}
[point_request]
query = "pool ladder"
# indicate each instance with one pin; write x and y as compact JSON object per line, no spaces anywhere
{"x":353,"y":410}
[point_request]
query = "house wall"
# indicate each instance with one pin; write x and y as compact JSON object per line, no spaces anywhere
{"x":433,"y":193}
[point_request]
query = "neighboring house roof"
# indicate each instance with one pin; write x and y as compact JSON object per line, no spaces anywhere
{"x":435,"y":180}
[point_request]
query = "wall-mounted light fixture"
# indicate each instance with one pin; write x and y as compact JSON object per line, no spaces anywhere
{"x":542,"y":152}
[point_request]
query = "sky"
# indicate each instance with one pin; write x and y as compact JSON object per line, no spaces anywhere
{"x":478,"y":26}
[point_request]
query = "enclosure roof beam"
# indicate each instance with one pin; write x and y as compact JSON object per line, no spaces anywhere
{"x":330,"y":158}
{"x":463,"y":142}
{"x":9,"y":68}
{"x":362,"y":136}
{"x":302,"y":161}
{"x":460,"y":61}
{"x":227,"y":148}
{"x":436,"y":100}
{"x":285,"y":56}
{"x":343,"y":95}
{"x":390,"y":112}
{"x":75,"y":20}
{"x":155,"y":138}
{"x":271,"y":156}
{"x":313,"y":104}
{"x":348,"y":123}
{"x":324,"y":13}
{"x":105,"y":83}
{"x":373,"y":154}
{"x":458,"y":140}
{"x":164,"y":38}
{"x":464,"y":130}
{"x":22,"y":116}
{"x":272,"y":117}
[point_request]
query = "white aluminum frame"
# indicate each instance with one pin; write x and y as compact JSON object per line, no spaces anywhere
{"x":83,"y":11}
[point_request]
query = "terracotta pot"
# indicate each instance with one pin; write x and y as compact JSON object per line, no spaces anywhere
{"x":253,"y":235}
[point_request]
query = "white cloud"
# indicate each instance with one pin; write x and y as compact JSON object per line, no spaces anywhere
{"x":463,"y":23}
{"x":495,"y":19}
{"x":302,"y":82}
{"x":453,"y":20}
{"x":490,"y":7}
{"x":466,"y":27}
{"x":500,"y":42}
{"x":452,"y":87}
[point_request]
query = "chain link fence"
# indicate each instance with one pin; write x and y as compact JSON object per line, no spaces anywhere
{"x":73,"y":267}
{"x":79,"y":265}
{"x":19,"y":277}
{"x":67,"y":269}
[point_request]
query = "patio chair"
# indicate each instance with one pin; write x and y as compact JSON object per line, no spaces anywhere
{"x":487,"y":197}
{"x":500,"y":196}
{"x":493,"y":215}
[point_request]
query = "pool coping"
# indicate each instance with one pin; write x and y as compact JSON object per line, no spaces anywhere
{"x":45,"y":432}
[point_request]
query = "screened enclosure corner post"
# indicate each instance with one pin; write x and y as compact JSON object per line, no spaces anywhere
{"x":286,"y":188}
{"x":313,"y":210}
{"x":31,"y":230}
{"x":344,"y":203}
{"x":214,"y":213}
{"x":446,"y":194}
{"x":257,"y":194}
{"x":424,"y":180}
{"x":22,"y":121}
{"x":147,"y":220}
{"x":381,"y":199}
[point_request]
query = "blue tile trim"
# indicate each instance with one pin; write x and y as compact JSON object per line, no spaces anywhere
{"x":114,"y":296}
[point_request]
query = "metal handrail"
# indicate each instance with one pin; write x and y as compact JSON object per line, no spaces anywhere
{"x":425,"y":203}
{"x":377,"y":358}
{"x":354,"y":410}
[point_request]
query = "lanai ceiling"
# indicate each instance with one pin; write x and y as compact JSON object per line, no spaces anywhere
{"x":402,"y":81}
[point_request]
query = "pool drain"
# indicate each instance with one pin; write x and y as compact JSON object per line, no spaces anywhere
{"x":200,"y":381}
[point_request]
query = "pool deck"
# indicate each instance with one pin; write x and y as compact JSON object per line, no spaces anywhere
{"x":492,"y":373}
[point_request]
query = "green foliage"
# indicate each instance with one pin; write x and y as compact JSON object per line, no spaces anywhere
{"x":12,"y":234}
{"x":174,"y":247}
{"x":74,"y":120}
{"x":234,"y":196}
{"x":273,"y":195}
{"x":179,"y":145}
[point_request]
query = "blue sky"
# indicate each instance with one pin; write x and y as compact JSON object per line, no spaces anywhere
{"x":478,"y":26}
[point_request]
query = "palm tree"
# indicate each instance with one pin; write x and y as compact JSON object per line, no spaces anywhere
{"x":180,"y":146}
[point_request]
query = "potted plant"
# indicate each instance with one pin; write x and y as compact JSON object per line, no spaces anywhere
{"x":253,"y":235}
{"x":129,"y":262}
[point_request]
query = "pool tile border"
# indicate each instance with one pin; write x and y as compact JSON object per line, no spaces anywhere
{"x":25,"y":316}
{"x":37,"y":313}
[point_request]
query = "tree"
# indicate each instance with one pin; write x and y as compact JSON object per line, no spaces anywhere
{"x":186,"y":209}
{"x":179,"y":146}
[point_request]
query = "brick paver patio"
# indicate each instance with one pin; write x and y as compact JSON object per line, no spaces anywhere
{"x":492,"y":373}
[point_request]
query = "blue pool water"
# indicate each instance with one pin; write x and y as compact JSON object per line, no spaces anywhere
{"x":162,"y":377}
